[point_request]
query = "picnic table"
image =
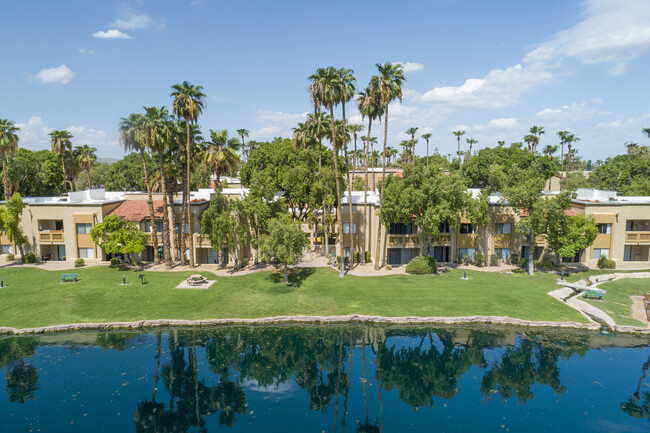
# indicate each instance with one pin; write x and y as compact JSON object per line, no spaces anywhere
{"x":69,"y":277}
{"x":196,"y":279}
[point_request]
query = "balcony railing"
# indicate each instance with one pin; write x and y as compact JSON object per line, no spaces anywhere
{"x":51,"y":236}
{"x":643,"y":237}
{"x":403,"y":239}
{"x":148,"y":238}
{"x":442,"y":238}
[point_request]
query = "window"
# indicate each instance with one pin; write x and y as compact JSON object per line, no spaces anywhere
{"x":597,"y":252}
{"x":346,"y":252}
{"x":638,"y":226}
{"x":502,"y":253}
{"x":346,"y":228}
{"x":401,"y":229}
{"x":179,"y":229}
{"x":84,"y":228}
{"x":7,"y":249}
{"x":467,"y":252}
{"x":443,"y":227}
{"x":187,"y":253}
{"x":604,"y":229}
{"x":86,"y":253}
{"x":159,"y":227}
{"x":502,"y":228}
{"x":466,"y":229}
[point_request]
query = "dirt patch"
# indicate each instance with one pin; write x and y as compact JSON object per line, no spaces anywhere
{"x":638,"y":309}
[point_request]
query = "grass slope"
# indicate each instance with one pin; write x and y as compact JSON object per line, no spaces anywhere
{"x":617,"y":302}
{"x":35,"y":297}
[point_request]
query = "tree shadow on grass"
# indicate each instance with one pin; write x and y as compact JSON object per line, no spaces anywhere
{"x":296,"y":276}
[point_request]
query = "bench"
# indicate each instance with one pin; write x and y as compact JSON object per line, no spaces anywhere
{"x":598,"y":294}
{"x":69,"y":277}
{"x":196,"y":280}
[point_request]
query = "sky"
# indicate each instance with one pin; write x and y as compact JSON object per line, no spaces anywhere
{"x":493,"y":69}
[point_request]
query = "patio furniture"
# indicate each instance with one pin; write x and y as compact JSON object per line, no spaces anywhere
{"x":593,"y":293}
{"x":196,"y":280}
{"x":69,"y":277}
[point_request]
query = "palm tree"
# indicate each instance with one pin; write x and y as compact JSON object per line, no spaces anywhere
{"x":406,"y":145}
{"x":347,"y":91}
{"x":537,"y":131}
{"x":243,"y":133}
{"x":319,"y":127}
{"x":549,"y":150}
{"x":156,"y":136}
{"x":471,"y":143}
{"x":459,"y":134}
{"x":60,"y":141}
{"x":570,"y":139}
{"x":529,"y":139}
{"x":563,"y":135}
{"x":301,"y":136}
{"x":412,"y":132}
{"x":355,"y":130}
{"x":427,"y":136}
{"x":8,"y":144}
{"x":86,"y":158}
{"x":369,"y":104}
{"x":188,"y":104}
{"x":131,"y":137}
{"x":221,"y":153}
{"x":389,"y":85}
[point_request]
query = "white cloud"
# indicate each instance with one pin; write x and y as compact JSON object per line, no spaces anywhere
{"x":85,"y":51}
{"x":504,"y":123}
{"x":60,"y":74}
{"x":575,"y":112}
{"x":499,"y":88}
{"x":280,"y":118}
{"x":612,"y":31}
{"x":111,"y":34}
{"x":34,"y":136}
{"x":132,"y":21}
{"x":411,"y":66}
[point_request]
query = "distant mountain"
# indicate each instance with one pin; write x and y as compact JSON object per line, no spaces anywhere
{"x":106,"y":160}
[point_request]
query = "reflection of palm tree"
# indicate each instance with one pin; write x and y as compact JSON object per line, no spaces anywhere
{"x":632,"y":406}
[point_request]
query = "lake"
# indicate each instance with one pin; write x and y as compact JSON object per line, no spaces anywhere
{"x":326,"y":379}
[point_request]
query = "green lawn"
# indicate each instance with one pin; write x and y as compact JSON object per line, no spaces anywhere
{"x":35,"y":297}
{"x":617,"y":302}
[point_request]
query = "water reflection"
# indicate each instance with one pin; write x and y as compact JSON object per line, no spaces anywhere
{"x":343,"y":373}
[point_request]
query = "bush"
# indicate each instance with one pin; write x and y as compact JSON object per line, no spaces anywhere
{"x":514,"y":259}
{"x":494,"y":260}
{"x":523,"y":262}
{"x":389,"y":267}
{"x":114,"y":261}
{"x":422,"y":265}
{"x":79,"y":263}
{"x":466,"y":260}
{"x":367,"y":256}
{"x":479,"y":259}
{"x":10,"y":257}
{"x":338,"y":260}
{"x":544,"y":264}
{"x":357,"y":256}
{"x":30,"y":258}
{"x":605,"y":263}
{"x":245,"y":261}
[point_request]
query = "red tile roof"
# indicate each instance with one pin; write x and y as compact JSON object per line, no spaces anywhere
{"x":138,"y":210}
{"x":570,"y":212}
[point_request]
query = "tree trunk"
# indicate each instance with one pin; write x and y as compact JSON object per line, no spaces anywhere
{"x":154,"y":231}
{"x":22,"y":251}
{"x":531,"y":265}
{"x":173,"y":239}
{"x":184,"y":215}
{"x":347,"y":169}
{"x":286,"y":272}
{"x":188,"y":221}
{"x":460,"y":160}
{"x":339,"y":223}
{"x":5,"y":180}
{"x":562,"y":162}
{"x":383,"y":182}
{"x":88,"y":174}
{"x":427,"y":153}
{"x":366,"y":214}
{"x":65,"y":176}
{"x":163,"y":185}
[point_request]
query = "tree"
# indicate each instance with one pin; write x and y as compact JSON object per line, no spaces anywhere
{"x":549,"y":150}
{"x":221,"y":153}
{"x":60,"y":141}
{"x":628,"y":173}
{"x":243,"y":133}
{"x":471,"y":143}
{"x":116,"y":235}
{"x":459,"y":134}
{"x":86,"y":158}
{"x":8,"y":146}
{"x":537,"y":131}
{"x":284,"y":242}
{"x":12,"y":215}
{"x":412,"y":132}
{"x":427,"y":136}
{"x":188,"y":104}
{"x":389,"y":86}
{"x":216,"y":222}
{"x":568,"y":235}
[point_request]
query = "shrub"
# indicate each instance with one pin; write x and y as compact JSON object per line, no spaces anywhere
{"x":367,"y":256}
{"x":514,"y":259}
{"x":422,"y":265}
{"x":346,"y":261}
{"x":245,"y":261}
{"x":357,"y":257}
{"x":30,"y":258}
{"x":494,"y":260}
{"x":605,"y":263}
{"x":479,"y":259}
{"x":10,"y":256}
{"x":389,"y":267}
{"x":79,"y":263}
{"x":523,"y":262}
{"x":114,"y":261}
{"x":544,"y":264}
{"x":466,"y":260}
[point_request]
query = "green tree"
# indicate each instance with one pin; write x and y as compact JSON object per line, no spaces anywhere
{"x":221,"y":153}
{"x":12,"y":216}
{"x":8,"y":146}
{"x":243,"y":133}
{"x":60,"y":141}
{"x":116,"y":235}
{"x":283,"y":243}
{"x":216,"y":222}
{"x":35,"y":173}
{"x":86,"y":158}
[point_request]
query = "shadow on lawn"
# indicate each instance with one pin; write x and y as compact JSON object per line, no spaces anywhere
{"x":296,"y":276}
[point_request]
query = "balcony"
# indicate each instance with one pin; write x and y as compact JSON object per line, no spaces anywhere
{"x":405,"y":240}
{"x":51,"y":236}
{"x":442,"y":238}
{"x":148,"y":238}
{"x":637,"y":237}
{"x":202,"y":241}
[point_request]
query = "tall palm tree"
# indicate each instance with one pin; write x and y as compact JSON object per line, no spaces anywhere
{"x":427,"y":136}
{"x":243,"y":133}
{"x":355,"y":130}
{"x":348,"y":88}
{"x":301,"y":135}
{"x":459,"y":134}
{"x":406,"y":146}
{"x":369,"y":104}
{"x":156,"y":136}
{"x":131,"y":130}
{"x":570,"y":139}
{"x":537,"y":131}
{"x":471,"y":143}
{"x":549,"y":150}
{"x":86,"y":158}
{"x":529,"y":140}
{"x":563,"y":135}
{"x":60,"y":141}
{"x":389,"y":85}
{"x":221,"y":153}
{"x":189,"y":101}
{"x":412,"y":132}
{"x":319,"y":128}
{"x":8,"y":145}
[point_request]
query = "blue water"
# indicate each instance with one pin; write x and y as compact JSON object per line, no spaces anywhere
{"x":311,"y":379}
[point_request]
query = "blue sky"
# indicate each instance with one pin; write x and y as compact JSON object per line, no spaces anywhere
{"x":491,"y":68}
